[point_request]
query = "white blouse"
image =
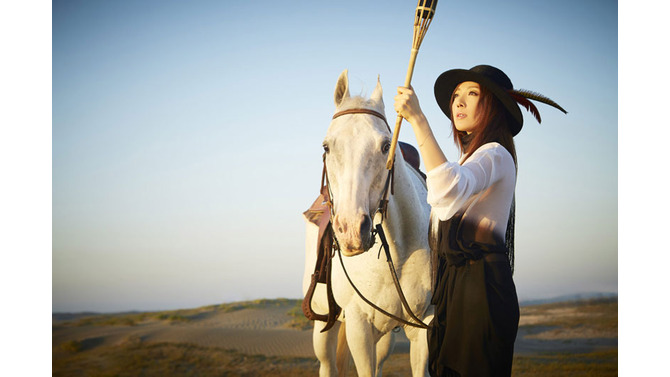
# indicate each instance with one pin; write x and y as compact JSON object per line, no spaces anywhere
{"x":482,"y":186}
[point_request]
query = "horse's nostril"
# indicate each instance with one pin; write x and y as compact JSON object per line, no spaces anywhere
{"x":341,"y":227}
{"x":366,"y":225}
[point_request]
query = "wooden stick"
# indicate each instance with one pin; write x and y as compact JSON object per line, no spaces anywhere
{"x":398,"y":120}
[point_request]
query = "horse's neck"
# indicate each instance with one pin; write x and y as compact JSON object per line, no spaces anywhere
{"x":407,"y":216}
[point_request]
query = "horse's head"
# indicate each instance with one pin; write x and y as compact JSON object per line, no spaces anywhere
{"x":356,"y":146}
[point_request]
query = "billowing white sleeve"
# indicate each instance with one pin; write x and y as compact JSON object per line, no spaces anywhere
{"x":451,"y":186}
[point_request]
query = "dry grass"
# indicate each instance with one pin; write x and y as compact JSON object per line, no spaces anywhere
{"x":596,"y":318}
{"x":175,"y":359}
{"x":133,"y":319}
{"x":134,"y":357}
{"x":600,"y":364}
{"x":298,"y":319}
{"x":595,"y":364}
{"x":602,"y":313}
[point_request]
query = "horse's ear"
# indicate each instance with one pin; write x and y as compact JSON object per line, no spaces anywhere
{"x":377,"y":95}
{"x":342,"y":88}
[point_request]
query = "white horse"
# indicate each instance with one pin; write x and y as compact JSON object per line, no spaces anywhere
{"x":356,"y":147}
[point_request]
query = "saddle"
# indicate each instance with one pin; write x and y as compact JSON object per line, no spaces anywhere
{"x":412,"y":157}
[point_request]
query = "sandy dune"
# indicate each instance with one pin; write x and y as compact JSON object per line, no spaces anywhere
{"x":264,"y":330}
{"x":251,"y":331}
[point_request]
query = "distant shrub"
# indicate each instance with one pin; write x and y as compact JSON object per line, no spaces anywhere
{"x":172,"y":317}
{"x":131,"y":341}
{"x":299,"y":321}
{"x":85,"y":321}
{"x":111,"y":320}
{"x":177,"y":318}
{"x":256,"y":304}
{"x":117,"y":321}
{"x":227,"y":308}
{"x":72,"y":346}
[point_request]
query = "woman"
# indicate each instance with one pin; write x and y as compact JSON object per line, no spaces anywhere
{"x":472,"y":218}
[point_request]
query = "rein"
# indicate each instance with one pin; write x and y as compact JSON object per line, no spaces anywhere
{"x":381,"y":208}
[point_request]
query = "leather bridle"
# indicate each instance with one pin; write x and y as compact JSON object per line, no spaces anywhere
{"x":388,"y":185}
{"x":377,"y":230}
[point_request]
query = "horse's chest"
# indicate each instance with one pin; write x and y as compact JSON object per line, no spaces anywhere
{"x":371,"y":277}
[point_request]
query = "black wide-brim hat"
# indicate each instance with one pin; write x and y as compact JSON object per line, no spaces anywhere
{"x":497,"y":82}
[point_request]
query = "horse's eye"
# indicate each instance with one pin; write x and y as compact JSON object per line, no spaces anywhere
{"x":325,"y":148}
{"x":386,"y":146}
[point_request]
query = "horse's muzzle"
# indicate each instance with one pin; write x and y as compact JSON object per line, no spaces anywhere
{"x":354,"y":236}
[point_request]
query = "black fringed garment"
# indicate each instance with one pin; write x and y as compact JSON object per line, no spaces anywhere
{"x":476,"y":306}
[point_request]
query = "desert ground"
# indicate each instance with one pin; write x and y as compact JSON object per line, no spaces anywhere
{"x":576,"y":338}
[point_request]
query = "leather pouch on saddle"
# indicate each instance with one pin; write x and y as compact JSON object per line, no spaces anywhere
{"x":319,"y":214}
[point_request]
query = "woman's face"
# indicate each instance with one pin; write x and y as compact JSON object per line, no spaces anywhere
{"x":464,"y":108}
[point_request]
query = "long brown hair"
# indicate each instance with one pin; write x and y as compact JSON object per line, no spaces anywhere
{"x":492,"y":125}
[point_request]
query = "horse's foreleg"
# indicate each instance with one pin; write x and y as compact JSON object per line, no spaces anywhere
{"x":383,"y":350}
{"x":342,"y":351}
{"x":361,"y":342}
{"x":325,"y":347}
{"x":418,"y":349}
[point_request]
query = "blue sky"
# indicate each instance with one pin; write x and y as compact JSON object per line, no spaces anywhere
{"x":186,"y":137}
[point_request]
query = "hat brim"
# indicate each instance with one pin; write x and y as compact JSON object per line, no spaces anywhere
{"x":449,"y":80}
